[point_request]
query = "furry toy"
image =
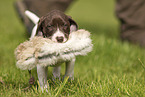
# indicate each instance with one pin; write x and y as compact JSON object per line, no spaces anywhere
{"x":45,"y":52}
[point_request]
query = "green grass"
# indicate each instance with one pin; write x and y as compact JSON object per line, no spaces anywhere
{"x":112,"y":69}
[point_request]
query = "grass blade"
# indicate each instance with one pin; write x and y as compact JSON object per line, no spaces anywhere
{"x":61,"y":86}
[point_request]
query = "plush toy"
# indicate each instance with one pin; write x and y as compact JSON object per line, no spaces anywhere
{"x":45,"y":52}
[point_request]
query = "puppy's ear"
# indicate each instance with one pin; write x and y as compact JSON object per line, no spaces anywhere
{"x":40,"y":26}
{"x":73,"y":24}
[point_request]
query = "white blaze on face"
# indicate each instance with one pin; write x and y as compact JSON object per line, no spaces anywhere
{"x":58,"y":33}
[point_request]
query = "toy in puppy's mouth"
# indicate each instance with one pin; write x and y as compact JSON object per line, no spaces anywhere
{"x":45,"y":52}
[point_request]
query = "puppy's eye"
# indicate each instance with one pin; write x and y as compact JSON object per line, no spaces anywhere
{"x":65,"y":25}
{"x":44,"y":36}
{"x":49,"y":26}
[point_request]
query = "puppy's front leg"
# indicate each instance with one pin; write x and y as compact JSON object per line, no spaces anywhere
{"x":70,"y":69}
{"x":42,"y":76}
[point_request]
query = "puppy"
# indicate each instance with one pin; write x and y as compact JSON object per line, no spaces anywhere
{"x":56,"y":26}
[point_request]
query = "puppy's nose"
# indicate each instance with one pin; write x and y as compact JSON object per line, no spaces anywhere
{"x":59,"y":39}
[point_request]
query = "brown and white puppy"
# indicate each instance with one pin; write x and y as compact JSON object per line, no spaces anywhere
{"x":56,"y":26}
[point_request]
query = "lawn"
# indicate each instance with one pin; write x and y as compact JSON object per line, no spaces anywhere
{"x":113,"y":68}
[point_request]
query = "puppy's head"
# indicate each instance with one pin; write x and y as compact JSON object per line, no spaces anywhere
{"x":56,"y":26}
